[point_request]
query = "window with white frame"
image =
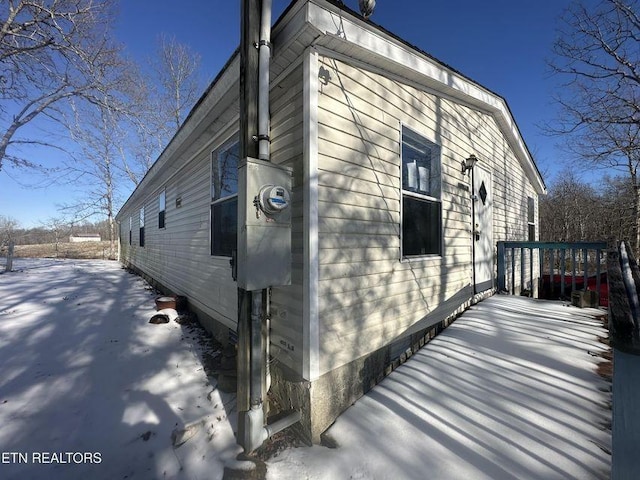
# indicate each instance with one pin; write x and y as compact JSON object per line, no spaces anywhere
{"x":130,"y":229}
{"x":421,"y":196}
{"x":531,"y":219}
{"x":224,"y":198}
{"x":162,"y":201}
{"x":142,"y":226}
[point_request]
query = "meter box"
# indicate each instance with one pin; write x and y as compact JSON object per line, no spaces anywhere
{"x":264,"y":223}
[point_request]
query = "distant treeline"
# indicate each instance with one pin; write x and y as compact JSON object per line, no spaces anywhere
{"x":58,"y":233}
{"x":575,"y":211}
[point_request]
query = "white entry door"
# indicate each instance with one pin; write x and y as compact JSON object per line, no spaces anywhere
{"x":483,"y":229}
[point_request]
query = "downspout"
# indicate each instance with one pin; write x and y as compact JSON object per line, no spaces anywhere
{"x":266,"y":339}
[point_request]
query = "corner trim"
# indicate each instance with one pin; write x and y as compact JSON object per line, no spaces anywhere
{"x":311,"y":327}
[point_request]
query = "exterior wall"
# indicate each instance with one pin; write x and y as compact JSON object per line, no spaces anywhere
{"x":287,"y":149}
{"x":368,"y":296}
{"x":178,"y":256}
{"x":338,"y":125}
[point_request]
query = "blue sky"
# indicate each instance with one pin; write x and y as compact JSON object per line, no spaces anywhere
{"x":501,"y":44}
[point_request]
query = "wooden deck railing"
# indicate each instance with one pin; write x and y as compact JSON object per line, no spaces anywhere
{"x":520,"y":264}
{"x":624,"y":299}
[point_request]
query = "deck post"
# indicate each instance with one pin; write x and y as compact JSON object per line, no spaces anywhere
{"x":531,"y":271}
{"x":563,"y":272}
{"x":573,"y":269}
{"x":540,"y":269}
{"x":598,"y":254}
{"x":551,"y":269}
{"x":513,"y":271}
{"x":501,"y":265}
{"x":522,"y":268}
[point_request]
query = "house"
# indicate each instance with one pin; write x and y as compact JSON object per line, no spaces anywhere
{"x":85,"y":237}
{"x":405,"y":175}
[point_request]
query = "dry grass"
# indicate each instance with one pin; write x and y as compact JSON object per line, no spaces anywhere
{"x":64,"y":250}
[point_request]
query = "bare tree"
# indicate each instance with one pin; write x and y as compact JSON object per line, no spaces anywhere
{"x":617,"y":219}
{"x":177,"y":70}
{"x":98,"y":170}
{"x":576,"y":211}
{"x":52,"y":52}
{"x":8,"y":227}
{"x":59,"y":228}
{"x":598,"y":53}
{"x":568,"y":212}
{"x":160,"y":104}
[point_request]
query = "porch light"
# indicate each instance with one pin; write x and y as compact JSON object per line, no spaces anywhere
{"x":468,"y":163}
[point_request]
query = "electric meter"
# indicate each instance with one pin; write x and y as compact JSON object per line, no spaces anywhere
{"x":273,"y":198}
{"x":264,"y":224}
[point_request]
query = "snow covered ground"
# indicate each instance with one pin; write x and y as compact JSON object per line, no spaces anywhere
{"x":88,"y":388}
{"x":509,"y":391}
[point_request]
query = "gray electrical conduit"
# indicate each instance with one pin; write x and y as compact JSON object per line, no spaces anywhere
{"x":256,"y":430}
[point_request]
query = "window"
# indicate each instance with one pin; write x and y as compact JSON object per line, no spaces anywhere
{"x":531,"y":218}
{"x":162,"y":200}
{"x":421,"y":202}
{"x":142,"y":227}
{"x":130,"y":229}
{"x":224,"y":199}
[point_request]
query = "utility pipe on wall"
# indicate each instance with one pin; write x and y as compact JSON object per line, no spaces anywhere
{"x":252,"y":429}
{"x":256,"y":433}
{"x":249,"y":28}
{"x":264,"y":55}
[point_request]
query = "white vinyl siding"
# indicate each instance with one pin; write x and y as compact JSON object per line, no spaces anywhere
{"x":368,"y":297}
{"x":178,"y":256}
{"x":287,"y":149}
